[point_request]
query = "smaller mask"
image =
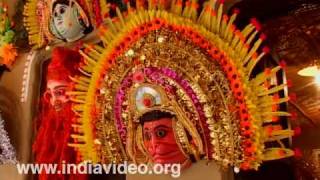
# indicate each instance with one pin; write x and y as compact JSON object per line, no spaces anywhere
{"x":68,"y":21}
{"x":56,"y":94}
{"x":162,"y":133}
{"x":63,"y":65}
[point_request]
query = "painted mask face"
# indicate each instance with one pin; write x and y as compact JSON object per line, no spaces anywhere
{"x":69,"y":22}
{"x":56,"y":94}
{"x":160,"y":142}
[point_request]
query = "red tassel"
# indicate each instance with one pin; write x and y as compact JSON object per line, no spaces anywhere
{"x":221,"y":1}
{"x":245,"y":166}
{"x":263,"y":36}
{"x":266,"y":50}
{"x":256,"y":24}
{"x":233,"y":28}
{"x":274,"y":107}
{"x":289,"y":83}
{"x":281,"y":153}
{"x":276,"y":97}
{"x":283,"y":64}
{"x":267,"y":84}
{"x":213,"y":13}
{"x":275,"y":119}
{"x":294,"y":115}
{"x":254,"y":55}
{"x":245,"y":124}
{"x":250,"y":149}
{"x":297,"y":131}
{"x":179,"y":3}
{"x":293,"y":97}
{"x":297,"y":153}
{"x":267,"y":71}
{"x":269,"y":130}
{"x":225,"y":18}
{"x":188,"y":3}
{"x":195,"y":5}
{"x":113,"y":6}
{"x":236,"y":11}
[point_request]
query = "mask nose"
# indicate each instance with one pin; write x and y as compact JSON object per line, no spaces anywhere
{"x":53,"y":100}
{"x":153,"y":144}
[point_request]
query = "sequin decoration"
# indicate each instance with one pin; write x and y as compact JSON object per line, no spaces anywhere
{"x":7,"y":152}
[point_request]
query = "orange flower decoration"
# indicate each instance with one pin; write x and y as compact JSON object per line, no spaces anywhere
{"x":8,"y":53}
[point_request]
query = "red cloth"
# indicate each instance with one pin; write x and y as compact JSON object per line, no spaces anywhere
{"x":64,"y":63}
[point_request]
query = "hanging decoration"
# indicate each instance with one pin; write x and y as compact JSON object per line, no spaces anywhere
{"x":175,"y":76}
{"x":7,"y":152}
{"x":8,"y":52}
{"x":66,"y":20}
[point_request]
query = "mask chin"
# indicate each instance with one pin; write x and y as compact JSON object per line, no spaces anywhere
{"x":57,"y":108}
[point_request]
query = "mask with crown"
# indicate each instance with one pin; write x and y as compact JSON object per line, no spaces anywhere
{"x":188,"y":72}
{"x":66,"y":20}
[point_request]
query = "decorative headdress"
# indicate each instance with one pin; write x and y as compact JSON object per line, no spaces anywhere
{"x":195,"y":66}
{"x":40,"y":25}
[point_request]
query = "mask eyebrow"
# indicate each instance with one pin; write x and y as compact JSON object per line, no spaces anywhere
{"x":60,"y":86}
{"x":147,"y":129}
{"x":162,"y":126}
{"x":157,"y":127}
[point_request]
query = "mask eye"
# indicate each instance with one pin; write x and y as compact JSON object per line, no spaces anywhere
{"x":59,"y":92}
{"x":61,"y":10}
{"x":147,"y":136}
{"x":161,"y":133}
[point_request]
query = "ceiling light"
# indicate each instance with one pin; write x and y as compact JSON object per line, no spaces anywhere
{"x":317,"y":78}
{"x":313,"y":70}
{"x":309,"y":71}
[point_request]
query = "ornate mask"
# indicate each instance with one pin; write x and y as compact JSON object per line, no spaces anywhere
{"x":161,"y":143}
{"x":158,"y":117}
{"x":196,"y":68}
{"x":68,"y":20}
